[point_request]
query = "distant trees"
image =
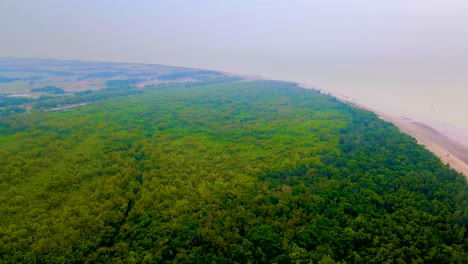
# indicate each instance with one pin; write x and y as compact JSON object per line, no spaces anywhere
{"x":48,"y":89}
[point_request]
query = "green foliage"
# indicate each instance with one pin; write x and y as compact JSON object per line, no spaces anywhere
{"x":45,"y":103}
{"x":245,"y":172}
{"x":193,"y":74}
{"x":13,"y":101}
{"x":48,"y":89}
{"x":123,"y":83}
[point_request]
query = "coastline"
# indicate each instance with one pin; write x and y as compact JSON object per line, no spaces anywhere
{"x":444,"y":142}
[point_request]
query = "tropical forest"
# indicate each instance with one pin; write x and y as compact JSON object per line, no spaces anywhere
{"x":219,"y":171}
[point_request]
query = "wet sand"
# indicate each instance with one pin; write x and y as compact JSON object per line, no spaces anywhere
{"x":445,"y":142}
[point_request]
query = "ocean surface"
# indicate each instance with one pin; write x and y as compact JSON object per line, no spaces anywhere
{"x":445,"y":109}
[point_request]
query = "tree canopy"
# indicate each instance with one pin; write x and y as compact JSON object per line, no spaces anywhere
{"x":234,"y":172}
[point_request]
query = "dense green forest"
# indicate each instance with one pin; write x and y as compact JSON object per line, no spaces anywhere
{"x":240,"y":172}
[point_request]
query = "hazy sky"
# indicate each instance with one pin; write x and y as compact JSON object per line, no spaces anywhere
{"x":385,"y":49}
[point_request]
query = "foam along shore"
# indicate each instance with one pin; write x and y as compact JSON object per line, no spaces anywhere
{"x":446,"y":143}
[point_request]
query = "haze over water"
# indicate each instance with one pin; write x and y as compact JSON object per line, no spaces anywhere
{"x":407,"y":56}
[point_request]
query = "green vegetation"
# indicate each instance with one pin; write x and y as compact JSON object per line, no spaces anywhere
{"x":194,"y":74}
{"x":48,"y":89}
{"x":14,"y":101}
{"x":101,"y":75}
{"x":123,"y":83}
{"x":243,"y":172}
{"x":19,"y":75}
{"x":12,"y":105}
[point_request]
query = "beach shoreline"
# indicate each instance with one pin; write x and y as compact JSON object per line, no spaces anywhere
{"x":444,"y":142}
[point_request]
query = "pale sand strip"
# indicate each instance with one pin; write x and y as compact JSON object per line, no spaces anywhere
{"x":450,"y":151}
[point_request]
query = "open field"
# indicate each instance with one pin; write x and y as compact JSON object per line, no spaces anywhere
{"x":14,"y":87}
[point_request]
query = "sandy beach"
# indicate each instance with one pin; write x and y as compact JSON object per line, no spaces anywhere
{"x":446,"y":142}
{"x":447,"y":149}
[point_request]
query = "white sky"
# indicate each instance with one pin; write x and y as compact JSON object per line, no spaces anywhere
{"x":384,"y":50}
